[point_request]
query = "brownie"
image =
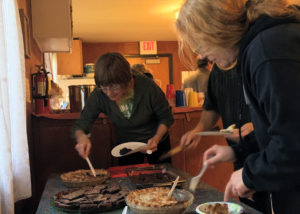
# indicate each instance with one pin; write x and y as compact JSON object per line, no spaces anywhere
{"x":124,"y":151}
{"x":73,"y":195}
{"x":97,"y":198}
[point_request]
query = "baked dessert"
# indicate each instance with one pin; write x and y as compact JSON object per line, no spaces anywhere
{"x":84,"y":177}
{"x":154,"y":201}
{"x":216,"y":208}
{"x":152,"y":178}
{"x":151,"y":197}
{"x":98,"y":198}
{"x":124,"y":151}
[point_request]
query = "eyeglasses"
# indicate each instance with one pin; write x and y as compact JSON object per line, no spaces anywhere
{"x":110,"y":88}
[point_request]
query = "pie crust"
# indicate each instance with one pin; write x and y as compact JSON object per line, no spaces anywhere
{"x":84,"y":177}
{"x":151,"y":197}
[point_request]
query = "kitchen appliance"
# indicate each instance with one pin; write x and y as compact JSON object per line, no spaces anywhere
{"x":78,"y":95}
{"x":40,"y":88}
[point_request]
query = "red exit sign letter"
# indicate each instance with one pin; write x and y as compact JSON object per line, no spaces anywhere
{"x":148,"y":47}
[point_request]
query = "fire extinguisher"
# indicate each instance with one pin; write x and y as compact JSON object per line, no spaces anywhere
{"x":40,"y":87}
{"x":40,"y":83}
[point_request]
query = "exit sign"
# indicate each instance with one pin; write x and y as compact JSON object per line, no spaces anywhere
{"x":148,"y":47}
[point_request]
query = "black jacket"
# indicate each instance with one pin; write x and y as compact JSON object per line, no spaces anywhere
{"x":225,"y":96}
{"x":270,"y":64}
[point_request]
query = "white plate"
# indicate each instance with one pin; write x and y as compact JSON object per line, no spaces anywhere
{"x":233,"y":207}
{"x":213,"y":133}
{"x":129,"y":145}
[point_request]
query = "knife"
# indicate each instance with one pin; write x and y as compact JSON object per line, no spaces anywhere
{"x":172,"y":152}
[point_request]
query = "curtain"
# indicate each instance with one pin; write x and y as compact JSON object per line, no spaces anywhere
{"x":14,"y":158}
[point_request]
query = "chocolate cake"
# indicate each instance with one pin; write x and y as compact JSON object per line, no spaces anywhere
{"x":152,"y":178}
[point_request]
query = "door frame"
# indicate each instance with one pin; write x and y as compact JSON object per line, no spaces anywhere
{"x":170,"y":59}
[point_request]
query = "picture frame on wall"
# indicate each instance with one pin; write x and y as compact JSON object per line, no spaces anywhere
{"x":26,"y":33}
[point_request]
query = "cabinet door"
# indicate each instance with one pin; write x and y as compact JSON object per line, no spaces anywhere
{"x":52,"y":24}
{"x":176,"y":131}
{"x":71,"y":63}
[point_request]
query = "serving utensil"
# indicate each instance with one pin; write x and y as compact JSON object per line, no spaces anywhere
{"x":172,"y":152}
{"x":195,"y":180}
{"x":91,"y":166}
{"x":173,"y":188}
{"x":125,"y":210}
{"x":222,"y":132}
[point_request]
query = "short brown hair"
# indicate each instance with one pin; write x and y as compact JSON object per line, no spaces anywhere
{"x":112,"y":68}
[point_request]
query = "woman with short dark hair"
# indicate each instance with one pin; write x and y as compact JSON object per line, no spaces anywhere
{"x":134,"y":103}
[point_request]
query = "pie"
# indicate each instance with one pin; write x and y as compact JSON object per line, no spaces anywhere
{"x":84,"y":177}
{"x":216,"y":208}
{"x":151,"y":197}
{"x":97,"y":198}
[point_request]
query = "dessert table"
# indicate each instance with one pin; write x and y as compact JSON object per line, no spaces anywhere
{"x":204,"y":193}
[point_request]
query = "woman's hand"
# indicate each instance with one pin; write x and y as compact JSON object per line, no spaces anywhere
{"x":190,"y":140}
{"x":83,"y":145}
{"x":217,"y":154}
{"x":245,"y":130}
{"x":236,"y":186}
{"x":152,"y":144}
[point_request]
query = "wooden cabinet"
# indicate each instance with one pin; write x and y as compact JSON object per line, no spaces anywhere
{"x":52,"y":149}
{"x":191,"y":160}
{"x":52,"y":24}
{"x":71,"y":63}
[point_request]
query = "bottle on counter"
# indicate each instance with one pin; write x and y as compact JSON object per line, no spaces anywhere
{"x":170,"y":95}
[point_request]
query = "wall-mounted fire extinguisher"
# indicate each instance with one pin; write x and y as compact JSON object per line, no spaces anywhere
{"x":40,"y":88}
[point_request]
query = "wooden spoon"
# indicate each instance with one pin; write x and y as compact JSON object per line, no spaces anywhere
{"x":91,"y":166}
{"x":173,"y":188}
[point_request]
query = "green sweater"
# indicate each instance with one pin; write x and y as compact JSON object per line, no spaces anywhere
{"x":150,"y":108}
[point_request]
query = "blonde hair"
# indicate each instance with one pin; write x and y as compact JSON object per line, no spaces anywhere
{"x":222,"y":23}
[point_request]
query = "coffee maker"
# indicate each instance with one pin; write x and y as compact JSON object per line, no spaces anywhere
{"x":40,"y":90}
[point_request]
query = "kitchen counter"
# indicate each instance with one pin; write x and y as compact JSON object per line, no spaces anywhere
{"x":204,"y":193}
{"x":69,"y":115}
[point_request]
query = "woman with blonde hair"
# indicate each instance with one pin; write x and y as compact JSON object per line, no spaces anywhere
{"x":264,"y":37}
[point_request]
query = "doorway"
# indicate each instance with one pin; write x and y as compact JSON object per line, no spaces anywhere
{"x":160,"y":66}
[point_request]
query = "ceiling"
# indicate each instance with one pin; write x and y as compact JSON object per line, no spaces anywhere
{"x":124,"y":20}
